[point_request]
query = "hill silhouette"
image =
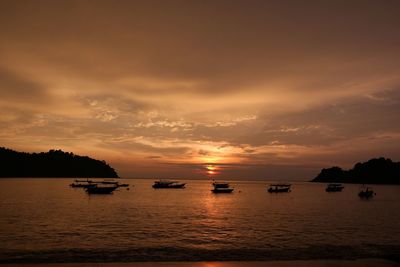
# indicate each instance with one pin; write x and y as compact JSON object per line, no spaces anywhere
{"x":374,"y":171}
{"x":55,"y":163}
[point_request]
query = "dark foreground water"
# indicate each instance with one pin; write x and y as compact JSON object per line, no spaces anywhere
{"x":44,"y":220}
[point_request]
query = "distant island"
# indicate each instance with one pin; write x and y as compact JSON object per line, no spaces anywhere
{"x":374,"y":171}
{"x":55,"y":163}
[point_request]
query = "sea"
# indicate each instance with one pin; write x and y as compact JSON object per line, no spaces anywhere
{"x":47,"y":221}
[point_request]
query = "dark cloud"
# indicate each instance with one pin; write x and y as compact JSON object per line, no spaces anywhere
{"x":118,"y":103}
{"x":16,"y":88}
{"x":203,"y":152}
{"x":224,"y":45}
{"x":132,"y":146}
{"x":343,"y":120}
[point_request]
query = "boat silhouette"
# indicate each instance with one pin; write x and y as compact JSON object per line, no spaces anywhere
{"x":101,"y":189}
{"x":334,"y":188}
{"x":221,"y":187}
{"x":366,"y":193}
{"x":168,"y":184}
{"x":279,"y":188}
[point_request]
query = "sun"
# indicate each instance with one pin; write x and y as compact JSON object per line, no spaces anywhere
{"x":211,"y":167}
{"x":212,"y":170}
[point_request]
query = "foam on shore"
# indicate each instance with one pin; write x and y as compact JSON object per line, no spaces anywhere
{"x":296,"y":263}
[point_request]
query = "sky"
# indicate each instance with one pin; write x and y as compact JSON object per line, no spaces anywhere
{"x":203,"y":89}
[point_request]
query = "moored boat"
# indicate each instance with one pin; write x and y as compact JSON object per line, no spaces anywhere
{"x":279,"y":188}
{"x":334,"y":188}
{"x":166,"y":184}
{"x":221,"y":187}
{"x":82,"y":183}
{"x":113,"y":182}
{"x":101,"y":189}
{"x":366,"y":192}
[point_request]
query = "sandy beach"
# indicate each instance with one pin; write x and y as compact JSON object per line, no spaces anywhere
{"x":299,"y":263}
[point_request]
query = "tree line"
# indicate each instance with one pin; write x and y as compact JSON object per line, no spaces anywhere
{"x":54,"y":163}
{"x":375,"y":171}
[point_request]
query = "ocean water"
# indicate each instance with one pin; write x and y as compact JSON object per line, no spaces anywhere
{"x":44,"y":220}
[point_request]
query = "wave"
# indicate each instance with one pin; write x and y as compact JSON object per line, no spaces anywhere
{"x":145,"y":254}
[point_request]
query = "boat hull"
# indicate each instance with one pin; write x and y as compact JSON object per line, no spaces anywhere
{"x":279,"y":190}
{"x":174,"y":186}
{"x":100,"y":190}
{"x":82,"y":185}
{"x":222,"y":190}
{"x":334,"y":189}
{"x":366,"y":194}
{"x":76,"y":185}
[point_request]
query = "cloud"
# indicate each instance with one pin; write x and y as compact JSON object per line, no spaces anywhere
{"x":18,"y":89}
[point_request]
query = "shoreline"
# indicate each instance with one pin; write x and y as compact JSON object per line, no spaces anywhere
{"x":286,"y":263}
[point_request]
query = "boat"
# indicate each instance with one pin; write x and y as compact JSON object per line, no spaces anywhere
{"x":101,"y":189}
{"x":334,"y":188}
{"x":113,"y":182}
{"x":163,"y":184}
{"x":82,"y":183}
{"x":279,"y":188}
{"x":366,"y":192}
{"x":221,"y":187}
